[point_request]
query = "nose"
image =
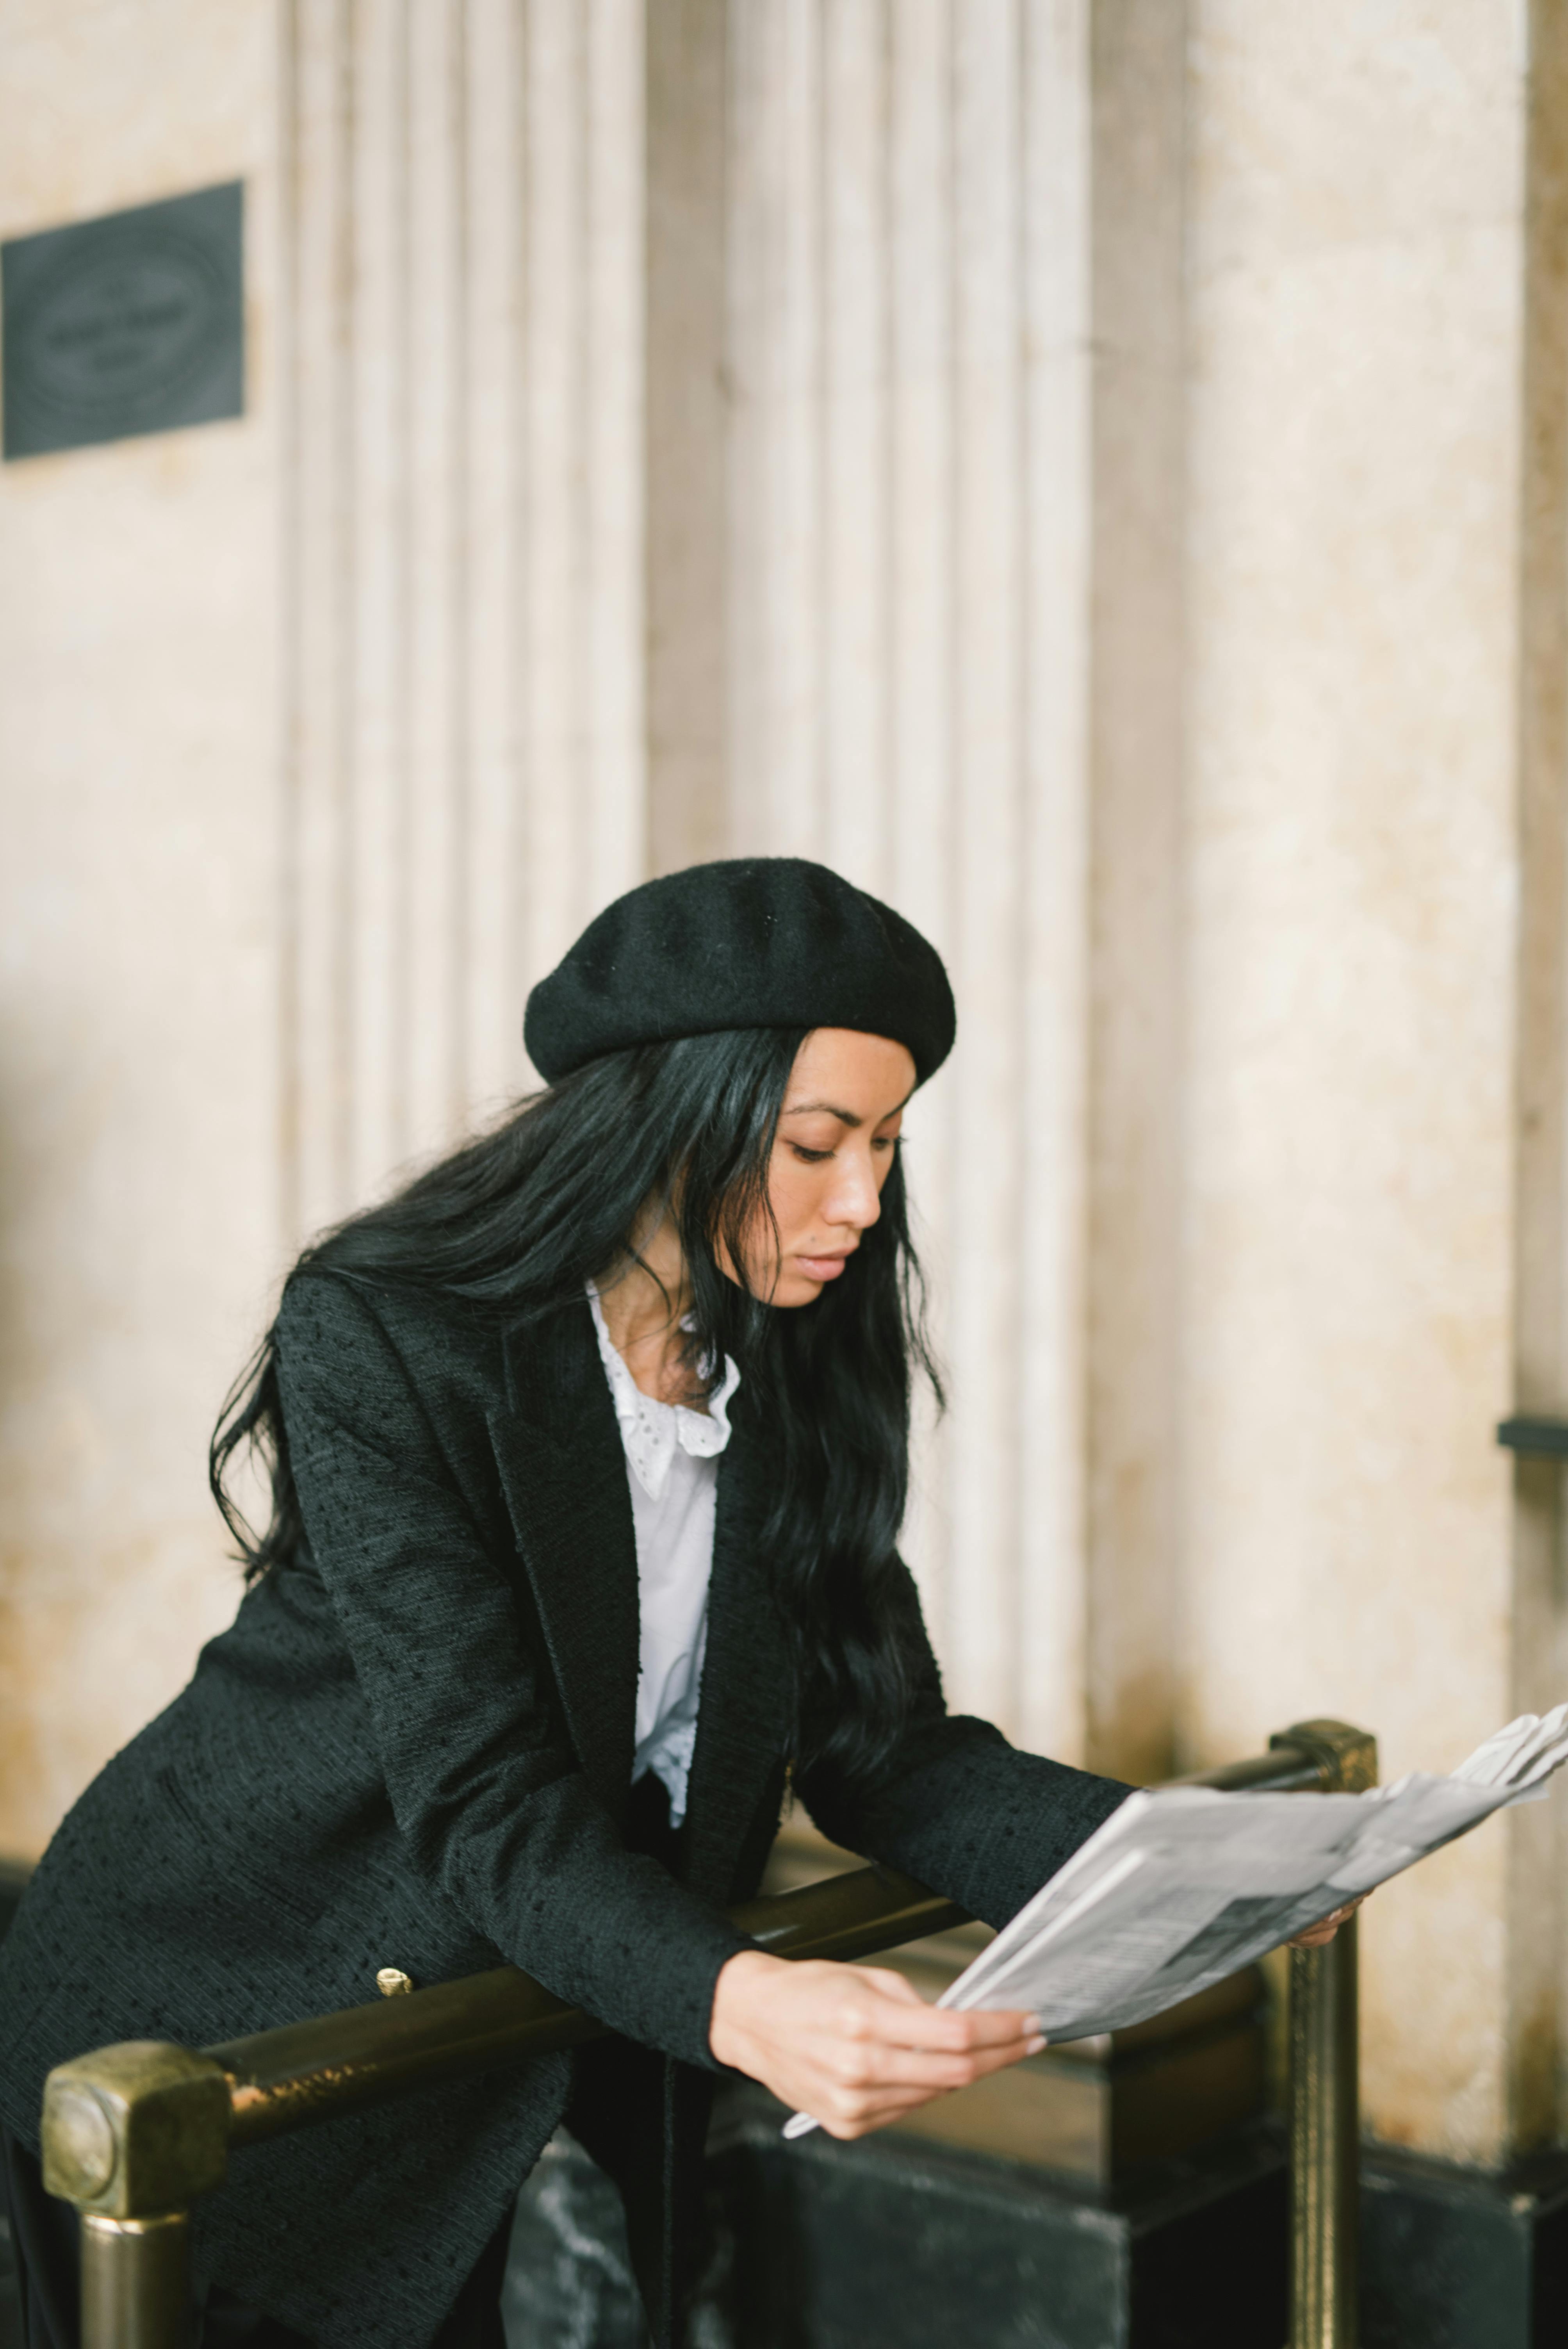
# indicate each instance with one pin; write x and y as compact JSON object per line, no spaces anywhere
{"x":854,"y":1198}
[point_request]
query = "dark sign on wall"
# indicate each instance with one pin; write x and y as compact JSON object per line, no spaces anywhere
{"x":134,"y":323}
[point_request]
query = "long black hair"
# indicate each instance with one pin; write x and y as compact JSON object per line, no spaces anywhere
{"x":515,"y":1223}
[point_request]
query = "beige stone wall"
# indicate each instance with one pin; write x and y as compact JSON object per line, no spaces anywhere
{"x":1061,"y":461}
{"x":138,"y":971}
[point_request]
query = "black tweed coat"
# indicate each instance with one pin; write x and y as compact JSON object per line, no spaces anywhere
{"x":414,"y":1748}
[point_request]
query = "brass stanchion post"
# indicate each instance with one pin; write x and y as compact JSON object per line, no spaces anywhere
{"x":1325,"y":2098}
{"x":1324,"y":2144}
{"x":131,"y":2136}
{"x":136,"y":2282}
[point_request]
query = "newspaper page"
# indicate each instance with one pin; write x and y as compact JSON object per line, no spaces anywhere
{"x":1184,"y":1885}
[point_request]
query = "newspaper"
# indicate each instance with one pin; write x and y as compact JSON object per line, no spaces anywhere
{"x":1185,"y":1885}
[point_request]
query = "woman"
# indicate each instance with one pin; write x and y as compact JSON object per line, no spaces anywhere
{"x":606,"y":1414}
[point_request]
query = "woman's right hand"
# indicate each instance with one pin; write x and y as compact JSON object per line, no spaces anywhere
{"x":855,"y":2046}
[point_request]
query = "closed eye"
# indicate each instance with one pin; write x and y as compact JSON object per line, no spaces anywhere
{"x":808,"y":1157}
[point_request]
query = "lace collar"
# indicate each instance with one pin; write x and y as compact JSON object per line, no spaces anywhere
{"x":652,"y":1432}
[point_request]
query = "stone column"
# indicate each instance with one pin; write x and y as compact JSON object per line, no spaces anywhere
{"x":909,"y":564}
{"x":463,"y":714}
{"x":1137,"y":880}
{"x":686,"y":459}
{"x":1537,"y":1929}
{"x":1356,"y":250}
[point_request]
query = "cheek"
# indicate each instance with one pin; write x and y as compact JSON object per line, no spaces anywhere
{"x":791,"y":1190}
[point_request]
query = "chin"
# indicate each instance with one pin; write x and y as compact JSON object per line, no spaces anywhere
{"x":795,"y":1290}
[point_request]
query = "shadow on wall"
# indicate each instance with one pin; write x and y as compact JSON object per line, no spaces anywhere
{"x":12,"y":1877}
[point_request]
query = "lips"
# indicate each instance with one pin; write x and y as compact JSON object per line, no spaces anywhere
{"x":824,"y":1268}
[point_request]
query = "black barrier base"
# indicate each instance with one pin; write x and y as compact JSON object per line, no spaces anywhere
{"x":1452,"y":2259}
{"x":893,"y":2243}
{"x":898,"y":2244}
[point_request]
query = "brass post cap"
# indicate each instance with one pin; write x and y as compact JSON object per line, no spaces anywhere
{"x":1347,"y":1757}
{"x":135,"y":2130}
{"x":393,"y":1982}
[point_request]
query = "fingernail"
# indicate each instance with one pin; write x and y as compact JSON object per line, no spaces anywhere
{"x":1036,"y":2022}
{"x":1035,"y":2045}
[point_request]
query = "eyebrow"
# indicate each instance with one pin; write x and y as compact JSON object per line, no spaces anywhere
{"x":845,"y":1116}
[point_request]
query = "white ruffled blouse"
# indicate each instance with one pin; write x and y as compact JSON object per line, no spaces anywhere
{"x":672,"y":1473}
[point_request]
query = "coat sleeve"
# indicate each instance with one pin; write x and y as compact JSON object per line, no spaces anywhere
{"x":469,"y":1732}
{"x":954,"y":1804}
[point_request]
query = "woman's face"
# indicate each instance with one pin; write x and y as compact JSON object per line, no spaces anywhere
{"x":831,"y":1155}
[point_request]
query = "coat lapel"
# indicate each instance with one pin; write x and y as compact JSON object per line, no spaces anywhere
{"x":743,"y":1720}
{"x":563,"y":1471}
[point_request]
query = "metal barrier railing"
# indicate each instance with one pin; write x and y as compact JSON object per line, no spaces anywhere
{"x":133,"y":2134}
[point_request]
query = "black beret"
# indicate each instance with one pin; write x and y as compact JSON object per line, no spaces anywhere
{"x":756,"y":942}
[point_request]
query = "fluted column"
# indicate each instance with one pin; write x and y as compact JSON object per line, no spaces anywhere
{"x":929,"y":519}
{"x":463,"y":692}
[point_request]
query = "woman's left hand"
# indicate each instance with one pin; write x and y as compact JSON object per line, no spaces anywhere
{"x":1317,"y":1937}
